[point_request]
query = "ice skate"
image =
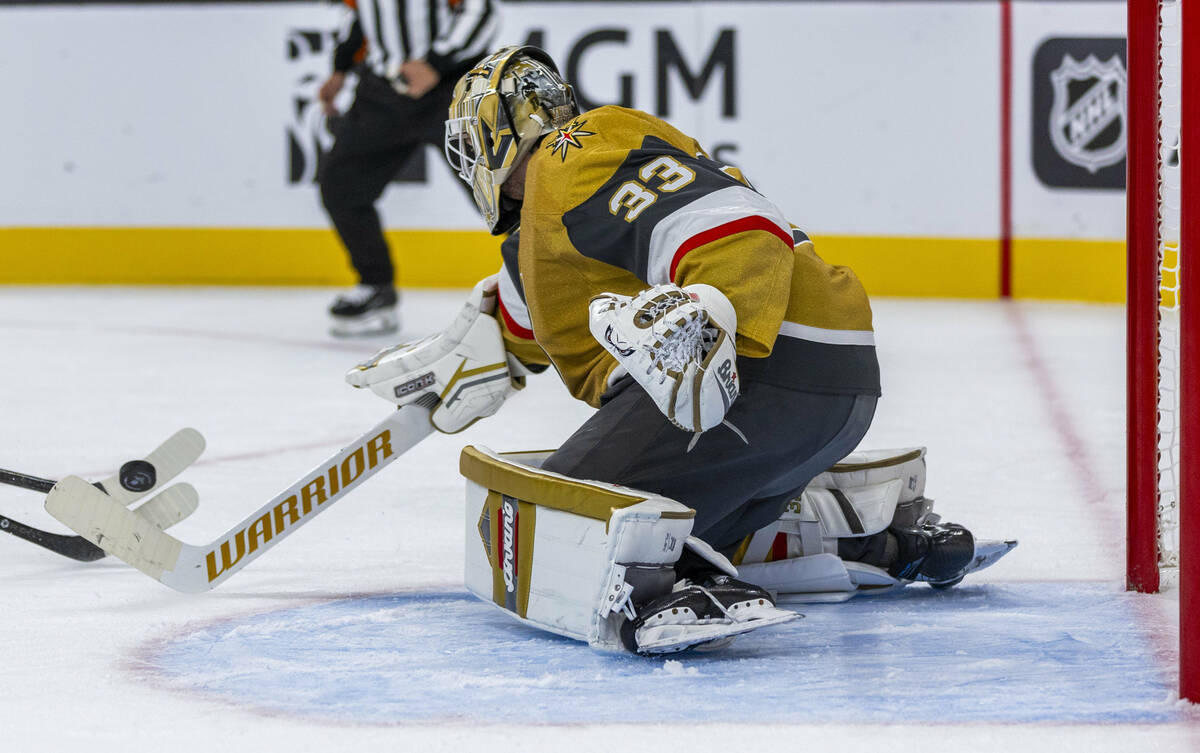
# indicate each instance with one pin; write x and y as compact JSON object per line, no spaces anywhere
{"x":701,"y":616}
{"x":931,"y":552}
{"x":365,"y":310}
{"x":863,"y":527}
{"x":940,"y":569}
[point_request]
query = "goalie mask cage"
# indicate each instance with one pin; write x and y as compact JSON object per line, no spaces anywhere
{"x":1163,"y":378}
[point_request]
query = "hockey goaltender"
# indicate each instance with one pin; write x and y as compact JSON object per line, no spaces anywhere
{"x":733,"y":372}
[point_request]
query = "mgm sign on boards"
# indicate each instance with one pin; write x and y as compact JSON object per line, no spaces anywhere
{"x":704,"y":66}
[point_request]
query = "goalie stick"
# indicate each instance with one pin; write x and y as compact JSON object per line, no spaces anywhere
{"x":25,"y":481}
{"x":76,"y":547}
{"x":135,"y":480}
{"x":192,"y":569}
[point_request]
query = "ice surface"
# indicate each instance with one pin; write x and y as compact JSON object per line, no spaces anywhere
{"x":939,"y":656}
{"x":355,"y":634}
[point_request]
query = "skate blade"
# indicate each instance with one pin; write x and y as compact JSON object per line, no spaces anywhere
{"x":670,"y":639}
{"x":372,"y":323}
{"x":987,"y":553}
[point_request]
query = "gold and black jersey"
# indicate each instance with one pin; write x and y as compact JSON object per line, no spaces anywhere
{"x":619,"y":200}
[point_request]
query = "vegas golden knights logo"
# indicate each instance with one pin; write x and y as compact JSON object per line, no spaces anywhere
{"x":565,"y":138}
{"x":497,"y":147}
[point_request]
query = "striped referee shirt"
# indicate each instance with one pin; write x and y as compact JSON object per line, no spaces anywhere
{"x":450,"y":35}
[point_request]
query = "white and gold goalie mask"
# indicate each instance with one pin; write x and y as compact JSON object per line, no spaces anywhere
{"x":500,"y":109}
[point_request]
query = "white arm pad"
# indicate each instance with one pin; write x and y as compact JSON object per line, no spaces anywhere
{"x":678,"y":343}
{"x":465,"y":368}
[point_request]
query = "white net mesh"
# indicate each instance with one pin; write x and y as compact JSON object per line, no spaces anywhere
{"x":1169,"y":255}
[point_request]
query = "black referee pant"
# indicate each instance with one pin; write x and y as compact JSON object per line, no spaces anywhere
{"x":375,"y":137}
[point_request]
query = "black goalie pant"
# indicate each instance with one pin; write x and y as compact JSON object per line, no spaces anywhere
{"x":376,"y":136}
{"x":735,"y":486}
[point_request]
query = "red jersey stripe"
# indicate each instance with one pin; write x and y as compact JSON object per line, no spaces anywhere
{"x":742,"y":225}
{"x":511,"y":323}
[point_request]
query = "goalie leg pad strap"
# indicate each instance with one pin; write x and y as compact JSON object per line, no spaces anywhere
{"x":860,"y":495}
{"x":860,"y":511}
{"x":814,"y":521}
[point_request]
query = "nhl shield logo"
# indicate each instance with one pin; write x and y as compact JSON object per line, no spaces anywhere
{"x":1087,"y":116}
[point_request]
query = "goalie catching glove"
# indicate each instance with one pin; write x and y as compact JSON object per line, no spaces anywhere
{"x":678,"y":343}
{"x":465,"y":368}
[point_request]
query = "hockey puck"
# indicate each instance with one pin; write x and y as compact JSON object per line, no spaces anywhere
{"x":137,"y":476}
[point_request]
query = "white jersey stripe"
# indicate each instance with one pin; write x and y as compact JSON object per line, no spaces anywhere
{"x":827,"y":336}
{"x":398,"y":30}
{"x":513,"y":304}
{"x":417,"y":18}
{"x":377,"y":50}
{"x":470,"y":14}
{"x":709,"y":211}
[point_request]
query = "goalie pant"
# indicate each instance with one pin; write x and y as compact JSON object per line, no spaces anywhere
{"x":739,"y":476}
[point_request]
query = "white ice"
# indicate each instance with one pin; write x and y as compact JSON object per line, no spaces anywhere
{"x":356,"y":633}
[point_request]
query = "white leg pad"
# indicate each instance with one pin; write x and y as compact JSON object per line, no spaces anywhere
{"x":859,"y":511}
{"x":796,"y":556}
{"x":818,"y":573}
{"x":858,"y":496}
{"x":870,"y":467}
{"x":555,"y":552}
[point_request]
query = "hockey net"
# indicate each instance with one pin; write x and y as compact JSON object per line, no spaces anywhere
{"x":1163,"y":400}
{"x":1167,"y":243}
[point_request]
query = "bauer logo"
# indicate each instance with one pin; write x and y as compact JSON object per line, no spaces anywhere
{"x":728,"y":382}
{"x":1079,"y":113}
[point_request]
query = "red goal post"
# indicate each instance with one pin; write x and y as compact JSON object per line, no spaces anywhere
{"x":1163,"y":367}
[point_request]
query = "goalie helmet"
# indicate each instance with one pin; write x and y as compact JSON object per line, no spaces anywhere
{"x":500,"y":109}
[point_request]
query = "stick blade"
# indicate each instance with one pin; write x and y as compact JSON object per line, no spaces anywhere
{"x":171,"y":505}
{"x":139,"y":478}
{"x":107,"y":523}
